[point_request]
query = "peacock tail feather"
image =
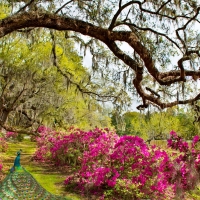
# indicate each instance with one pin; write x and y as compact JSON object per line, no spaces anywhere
{"x":20,"y":185}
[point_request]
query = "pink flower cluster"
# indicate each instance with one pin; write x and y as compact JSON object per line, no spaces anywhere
{"x":43,"y":129}
{"x":195,"y":140}
{"x":12,"y":135}
{"x":176,"y":142}
{"x":1,"y":166}
{"x":102,"y":160}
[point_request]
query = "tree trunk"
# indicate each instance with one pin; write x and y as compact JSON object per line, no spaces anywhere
{"x":3,"y":116}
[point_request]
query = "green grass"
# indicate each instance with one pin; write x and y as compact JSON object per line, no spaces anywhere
{"x":26,"y":146}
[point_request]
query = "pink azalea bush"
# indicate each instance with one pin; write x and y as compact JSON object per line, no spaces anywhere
{"x":128,"y":169}
{"x":124,"y":167}
{"x":186,"y":172}
{"x":62,"y":148}
{"x":45,"y":142}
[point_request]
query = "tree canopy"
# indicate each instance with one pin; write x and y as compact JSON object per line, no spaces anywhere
{"x":152,"y":46}
{"x":33,"y":91}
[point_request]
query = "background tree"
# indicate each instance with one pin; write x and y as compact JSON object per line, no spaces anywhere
{"x":34,"y":91}
{"x":124,"y":124}
{"x":188,"y":127}
{"x":156,"y":125}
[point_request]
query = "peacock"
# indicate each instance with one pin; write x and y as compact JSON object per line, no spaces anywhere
{"x":20,"y":185}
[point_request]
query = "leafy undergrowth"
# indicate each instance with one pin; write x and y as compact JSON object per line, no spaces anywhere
{"x":47,"y":176}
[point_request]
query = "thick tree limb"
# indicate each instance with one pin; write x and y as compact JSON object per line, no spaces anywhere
{"x":34,"y":19}
{"x":109,"y":38}
{"x":20,"y":131}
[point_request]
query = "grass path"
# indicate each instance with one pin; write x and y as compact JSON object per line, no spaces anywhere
{"x":47,"y":176}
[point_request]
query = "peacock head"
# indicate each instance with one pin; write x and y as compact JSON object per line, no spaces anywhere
{"x":19,"y":152}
